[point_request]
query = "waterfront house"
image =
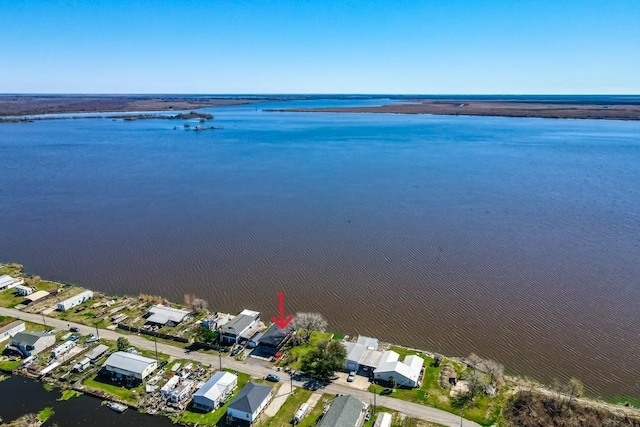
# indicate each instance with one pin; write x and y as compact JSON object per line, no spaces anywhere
{"x":31,"y":343}
{"x":345,"y":411}
{"x":129,"y":366}
{"x":215,"y":391}
{"x":362,"y":354}
{"x":74,"y":301}
{"x":405,"y":374}
{"x":9,"y":331}
{"x":275,"y":337}
{"x":250,"y":402}
{"x":236,"y":329}
{"x":163,"y":315}
{"x":23,"y":290}
{"x":8,"y":282}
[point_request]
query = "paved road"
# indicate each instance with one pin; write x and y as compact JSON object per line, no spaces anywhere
{"x":413,"y":410}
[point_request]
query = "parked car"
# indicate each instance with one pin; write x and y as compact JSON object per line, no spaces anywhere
{"x":74,"y":329}
{"x":386,"y":391}
{"x":92,"y":338}
{"x":351,"y":377}
{"x":272,"y":377}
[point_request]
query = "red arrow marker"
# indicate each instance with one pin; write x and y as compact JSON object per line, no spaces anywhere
{"x":282,"y":322}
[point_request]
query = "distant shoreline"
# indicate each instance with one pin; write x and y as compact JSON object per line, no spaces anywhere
{"x":499,"y":108}
{"x":27,"y":105}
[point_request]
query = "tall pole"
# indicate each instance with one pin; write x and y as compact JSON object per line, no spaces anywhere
{"x":156,"y":343}
{"x":374,"y":397}
{"x":291,"y":377}
{"x":220,"y":356}
{"x":43,"y":320}
{"x":97,"y":331}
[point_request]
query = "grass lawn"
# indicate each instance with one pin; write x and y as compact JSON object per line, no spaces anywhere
{"x":9,"y":365}
{"x":623,"y":400}
{"x":299,"y":351}
{"x":289,"y":408}
{"x":45,"y":414}
{"x":312,"y":418}
{"x":126,"y":394}
{"x":485,"y":410}
{"x":68,"y":394}
{"x":9,"y":297}
{"x":11,"y":269}
{"x":193,"y":416}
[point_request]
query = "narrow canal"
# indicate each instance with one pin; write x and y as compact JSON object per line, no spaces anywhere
{"x":22,"y":396}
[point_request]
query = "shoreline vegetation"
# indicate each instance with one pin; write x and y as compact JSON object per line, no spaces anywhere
{"x":498,"y":108}
{"x":512,"y":400}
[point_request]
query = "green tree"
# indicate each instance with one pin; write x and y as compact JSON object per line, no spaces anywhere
{"x":205,"y":335}
{"x":123,"y":344}
{"x":324,"y":360}
{"x":392,"y":381}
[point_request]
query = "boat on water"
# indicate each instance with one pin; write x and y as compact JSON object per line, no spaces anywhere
{"x":118,"y":407}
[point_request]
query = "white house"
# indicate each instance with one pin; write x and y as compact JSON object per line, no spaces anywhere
{"x":82,"y":365}
{"x":8,"y":331}
{"x":23,"y":290}
{"x":162,"y":315}
{"x":215,"y":391}
{"x":236,"y":328}
{"x":123,"y":364}
{"x":7,"y":282}
{"x":250,"y":402}
{"x":62,"y":349}
{"x":406,"y":374}
{"x":363,"y":353}
{"x":74,"y":300}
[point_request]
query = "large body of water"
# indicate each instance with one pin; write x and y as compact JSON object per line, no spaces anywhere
{"x":516,"y":239}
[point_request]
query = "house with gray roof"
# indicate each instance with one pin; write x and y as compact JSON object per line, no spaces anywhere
{"x":345,"y":411}
{"x":250,"y":402}
{"x":129,"y":366}
{"x":31,"y":343}
{"x":237,"y":327}
{"x":163,"y":315}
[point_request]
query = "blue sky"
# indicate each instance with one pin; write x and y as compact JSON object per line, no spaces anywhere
{"x":297,"y":46}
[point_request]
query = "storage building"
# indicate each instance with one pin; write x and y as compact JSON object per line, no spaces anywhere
{"x":7,"y":282}
{"x":130,"y":366}
{"x":162,"y":315}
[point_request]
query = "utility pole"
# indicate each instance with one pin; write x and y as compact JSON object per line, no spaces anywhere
{"x":291,"y":377}
{"x":220,"y":356}
{"x":43,"y":320}
{"x":156,"y":343}
{"x":97,"y":331}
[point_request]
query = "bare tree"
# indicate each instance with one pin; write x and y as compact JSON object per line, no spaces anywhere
{"x":474,"y":360}
{"x":196,"y":304}
{"x":309,"y":322}
{"x":575,"y":388}
{"x":476,"y":382}
{"x":495,"y":369}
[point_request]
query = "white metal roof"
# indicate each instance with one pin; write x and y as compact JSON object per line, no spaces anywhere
{"x":128,"y":362}
{"x":216,"y":386}
{"x":161,"y":314}
{"x":409,"y":369}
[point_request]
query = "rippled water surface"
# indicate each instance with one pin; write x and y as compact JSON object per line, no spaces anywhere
{"x":517,"y":239}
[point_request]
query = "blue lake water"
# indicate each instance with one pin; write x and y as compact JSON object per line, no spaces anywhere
{"x":516,"y":239}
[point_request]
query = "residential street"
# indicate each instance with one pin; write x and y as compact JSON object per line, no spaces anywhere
{"x":410,"y":409}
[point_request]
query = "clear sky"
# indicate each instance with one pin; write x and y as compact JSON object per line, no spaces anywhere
{"x":342,"y":46}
